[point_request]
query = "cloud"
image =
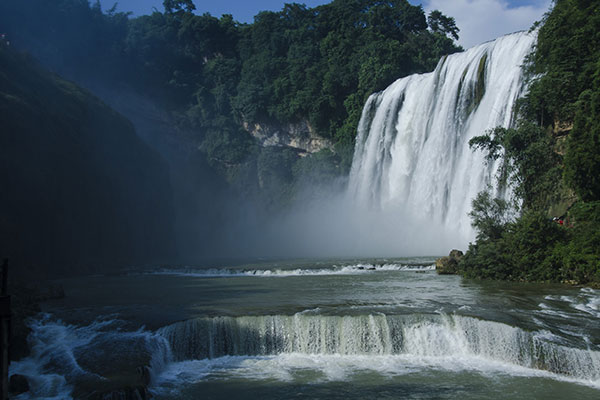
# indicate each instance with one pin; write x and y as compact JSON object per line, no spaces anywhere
{"x":483,"y":20}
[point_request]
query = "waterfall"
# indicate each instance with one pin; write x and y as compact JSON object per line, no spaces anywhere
{"x":412,"y":149}
{"x":433,"y":336}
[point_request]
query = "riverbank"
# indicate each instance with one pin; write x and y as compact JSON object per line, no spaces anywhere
{"x":454,"y":264}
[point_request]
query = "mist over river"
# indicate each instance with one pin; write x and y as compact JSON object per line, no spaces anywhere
{"x":376,"y":328}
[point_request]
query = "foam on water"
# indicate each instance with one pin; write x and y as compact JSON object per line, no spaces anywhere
{"x":587,"y":300}
{"x":63,"y":355}
{"x":320,"y":368}
{"x":356,"y":269}
{"x":445,"y":338}
{"x":289,"y":348}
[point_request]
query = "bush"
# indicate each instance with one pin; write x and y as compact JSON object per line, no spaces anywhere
{"x":524,"y":250}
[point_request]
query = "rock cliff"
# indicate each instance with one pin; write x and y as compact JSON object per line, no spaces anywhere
{"x":300,"y":136}
{"x":80,"y":190}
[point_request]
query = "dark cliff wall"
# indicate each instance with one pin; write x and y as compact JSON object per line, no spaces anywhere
{"x":78,"y":189}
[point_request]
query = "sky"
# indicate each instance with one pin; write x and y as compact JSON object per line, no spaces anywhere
{"x":479,"y":20}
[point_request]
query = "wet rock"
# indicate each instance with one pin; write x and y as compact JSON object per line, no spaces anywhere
{"x":456,"y":254}
{"x":129,"y":393}
{"x":124,"y":385}
{"x":143,"y":374}
{"x":24,"y":304}
{"x":448,"y":265}
{"x":18,"y":384}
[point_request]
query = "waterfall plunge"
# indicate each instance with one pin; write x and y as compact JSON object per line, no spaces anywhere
{"x":412,"y":154}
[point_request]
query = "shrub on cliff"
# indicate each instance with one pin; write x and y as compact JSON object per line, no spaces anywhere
{"x":523,"y":251}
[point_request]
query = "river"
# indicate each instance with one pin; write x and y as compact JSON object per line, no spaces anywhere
{"x":376,"y":328}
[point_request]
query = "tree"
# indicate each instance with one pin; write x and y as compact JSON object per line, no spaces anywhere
{"x":489,"y":216}
{"x":529,"y":163}
{"x":582,"y":161}
{"x":178,"y":6}
{"x":439,"y":23}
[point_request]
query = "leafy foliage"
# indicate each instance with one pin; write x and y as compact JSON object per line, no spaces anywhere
{"x":564,"y":99}
{"x":530,"y":163}
{"x":579,"y":256}
{"x":521,"y":251}
{"x":489,"y":216}
{"x":566,"y":54}
{"x":439,"y":23}
{"x":582,"y":161}
{"x":315,"y":64}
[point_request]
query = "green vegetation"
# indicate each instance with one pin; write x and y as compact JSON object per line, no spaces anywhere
{"x":312,"y":64}
{"x":552,"y":159}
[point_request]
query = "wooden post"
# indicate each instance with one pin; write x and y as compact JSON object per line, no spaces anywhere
{"x":4,"y":278}
{"x":4,"y":331}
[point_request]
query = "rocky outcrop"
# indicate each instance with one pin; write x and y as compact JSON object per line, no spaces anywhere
{"x":449,"y":265}
{"x":300,"y":136}
{"x":25,"y":303}
{"x":129,"y":393}
{"x":126,"y":386}
{"x":560,"y":128}
{"x":18,"y":384}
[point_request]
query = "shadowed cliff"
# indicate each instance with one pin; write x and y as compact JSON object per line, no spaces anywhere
{"x":79,"y":188}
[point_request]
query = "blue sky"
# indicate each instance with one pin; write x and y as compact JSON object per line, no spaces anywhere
{"x":479,"y":20}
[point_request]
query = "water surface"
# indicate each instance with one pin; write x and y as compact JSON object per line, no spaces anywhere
{"x":388,"y":328}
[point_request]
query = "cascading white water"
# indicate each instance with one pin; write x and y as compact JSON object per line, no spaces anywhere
{"x":433,"y":336}
{"x":412,"y":149}
{"x":63,"y":356}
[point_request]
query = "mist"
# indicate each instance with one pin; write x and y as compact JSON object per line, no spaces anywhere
{"x":145,"y":160}
{"x":328,"y":222}
{"x":215,"y":222}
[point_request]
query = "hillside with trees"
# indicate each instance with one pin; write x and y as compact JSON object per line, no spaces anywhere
{"x":217,"y":75}
{"x":552,"y":159}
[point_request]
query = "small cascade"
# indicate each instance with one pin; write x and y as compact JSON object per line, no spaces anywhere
{"x":65,"y":358}
{"x":426,"y":336}
{"x":352,"y":269}
{"x":412,"y":151}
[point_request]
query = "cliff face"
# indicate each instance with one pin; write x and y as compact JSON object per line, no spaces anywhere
{"x":80,"y":190}
{"x":562,"y":197}
{"x":299,"y":136}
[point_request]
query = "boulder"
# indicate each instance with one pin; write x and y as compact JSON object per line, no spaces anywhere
{"x":18,"y":384}
{"x":125,"y":385}
{"x":127,"y":393}
{"x":456,"y":254}
{"x":143,"y":374}
{"x":448,"y":265}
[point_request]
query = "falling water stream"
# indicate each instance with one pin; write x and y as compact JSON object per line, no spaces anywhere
{"x":412,"y":150}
